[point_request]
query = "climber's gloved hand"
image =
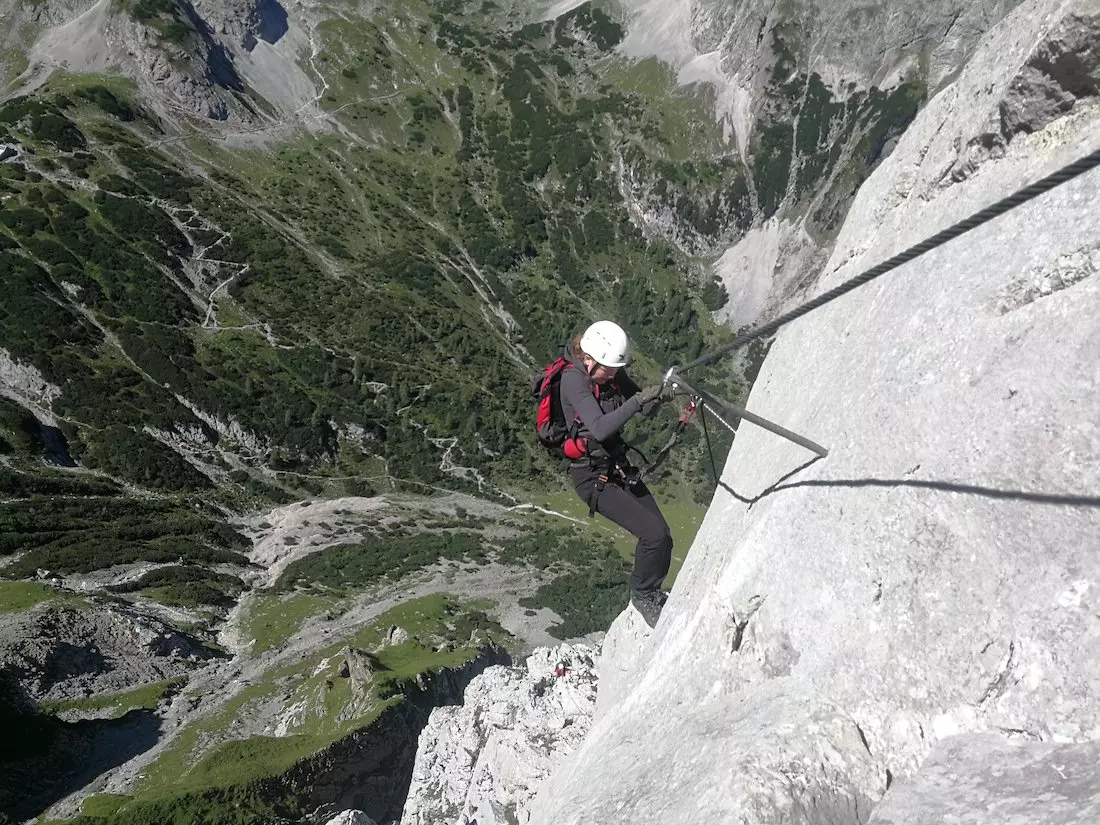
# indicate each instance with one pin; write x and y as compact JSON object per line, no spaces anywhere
{"x":651,"y":397}
{"x":650,"y":394}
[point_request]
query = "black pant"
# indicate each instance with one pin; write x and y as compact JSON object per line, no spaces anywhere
{"x":633,"y":509}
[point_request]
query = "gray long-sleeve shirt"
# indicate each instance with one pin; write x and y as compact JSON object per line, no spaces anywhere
{"x":600,"y":418}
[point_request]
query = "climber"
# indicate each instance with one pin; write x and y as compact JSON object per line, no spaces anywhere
{"x":599,"y":397}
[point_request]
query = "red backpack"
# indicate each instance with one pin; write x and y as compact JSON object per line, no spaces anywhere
{"x":551,"y":428}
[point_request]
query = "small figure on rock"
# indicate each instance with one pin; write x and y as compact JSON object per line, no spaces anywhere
{"x":585,"y":399}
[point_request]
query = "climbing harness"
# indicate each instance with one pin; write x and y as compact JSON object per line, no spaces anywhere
{"x":674,"y":376}
{"x":615,"y":469}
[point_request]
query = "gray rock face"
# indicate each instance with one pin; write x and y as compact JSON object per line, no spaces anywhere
{"x":846,"y":41}
{"x":245,"y":22}
{"x":938,"y":573}
{"x":878,"y":45}
{"x":360,"y":665}
{"x":984,"y":780}
{"x":197,"y":75}
{"x":481,"y":762}
{"x":184,"y":57}
{"x":1062,"y":70}
{"x":351,"y":818}
{"x":49,"y":12}
{"x":67,"y":653}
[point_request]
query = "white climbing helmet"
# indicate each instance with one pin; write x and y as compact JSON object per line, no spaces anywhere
{"x":606,"y":343}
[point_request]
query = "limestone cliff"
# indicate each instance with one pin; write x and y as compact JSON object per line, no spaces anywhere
{"x":811,"y":95}
{"x":481,"y":763}
{"x":235,"y":62}
{"x":936,"y":576}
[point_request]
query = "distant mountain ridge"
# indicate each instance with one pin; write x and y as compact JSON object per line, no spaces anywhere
{"x":810,"y":95}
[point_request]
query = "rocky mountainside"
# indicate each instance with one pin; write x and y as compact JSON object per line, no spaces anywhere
{"x":472,"y":201}
{"x":275,"y":278}
{"x":809,"y":95}
{"x":325,"y":686}
{"x":109,"y":649}
{"x":482,"y":761}
{"x":929,"y":587}
{"x":189,"y":60}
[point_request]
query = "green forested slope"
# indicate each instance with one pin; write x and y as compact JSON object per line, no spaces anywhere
{"x":336,"y":301}
{"x":227,"y":320}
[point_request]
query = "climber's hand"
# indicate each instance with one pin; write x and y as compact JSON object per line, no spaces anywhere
{"x":650,"y":394}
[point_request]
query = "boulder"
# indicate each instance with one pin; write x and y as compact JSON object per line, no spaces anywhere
{"x":360,"y":665}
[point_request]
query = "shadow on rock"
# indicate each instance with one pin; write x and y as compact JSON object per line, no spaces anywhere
{"x":273,"y":21}
{"x":55,"y":447}
{"x":1033,"y":496}
{"x":46,"y":759}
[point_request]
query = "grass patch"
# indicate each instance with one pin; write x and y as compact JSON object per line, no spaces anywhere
{"x":442,"y":633}
{"x":429,"y":621}
{"x":271,"y":619}
{"x":62,"y":82}
{"x":147,"y":696}
{"x":18,"y":596}
{"x":242,"y":761}
{"x":103,"y":804}
{"x":169,"y":773}
{"x":13,"y":62}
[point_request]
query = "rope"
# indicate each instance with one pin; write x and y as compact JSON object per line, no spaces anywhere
{"x":1002,"y":206}
{"x":674,"y":437}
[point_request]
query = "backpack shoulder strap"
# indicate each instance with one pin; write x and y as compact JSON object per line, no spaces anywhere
{"x":592,"y":385}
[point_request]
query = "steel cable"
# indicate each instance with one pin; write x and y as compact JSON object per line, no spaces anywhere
{"x":1002,"y":206}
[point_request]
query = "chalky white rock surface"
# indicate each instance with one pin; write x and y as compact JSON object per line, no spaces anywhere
{"x":351,"y":818}
{"x":482,"y":761}
{"x":982,"y":779}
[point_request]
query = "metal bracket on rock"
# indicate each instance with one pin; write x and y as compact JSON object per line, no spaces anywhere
{"x":674,"y":380}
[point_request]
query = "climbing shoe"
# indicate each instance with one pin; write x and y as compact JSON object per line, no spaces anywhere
{"x":649,"y":604}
